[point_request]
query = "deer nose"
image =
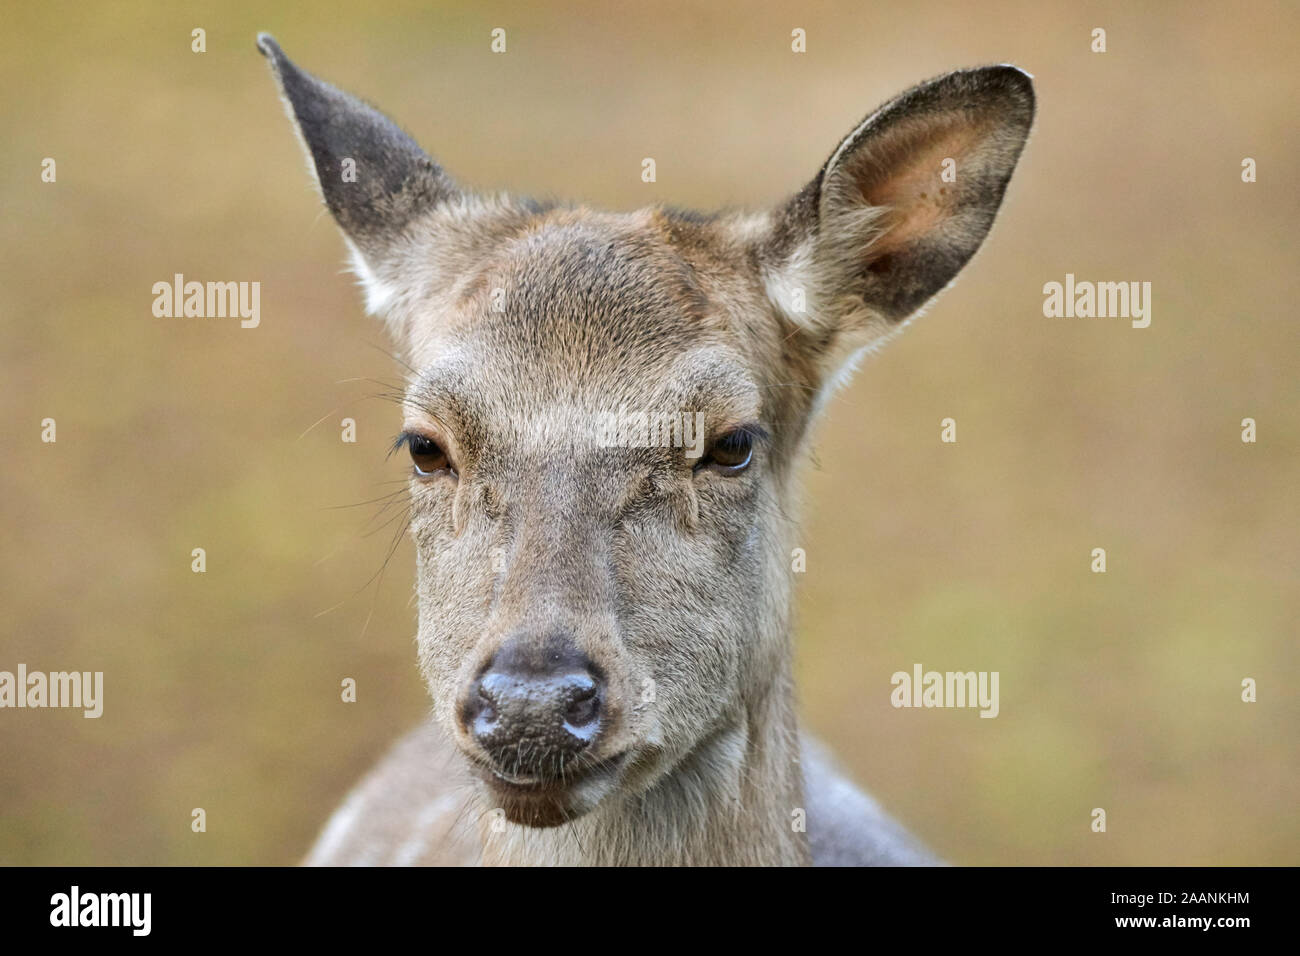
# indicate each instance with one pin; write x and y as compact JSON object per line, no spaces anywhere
{"x":533,"y":707}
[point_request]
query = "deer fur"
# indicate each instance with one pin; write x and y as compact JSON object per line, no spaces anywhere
{"x":525,"y":322}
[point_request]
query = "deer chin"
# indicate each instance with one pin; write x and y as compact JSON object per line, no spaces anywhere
{"x":537,"y":801}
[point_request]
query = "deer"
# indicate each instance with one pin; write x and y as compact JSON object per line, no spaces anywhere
{"x":605,"y":626}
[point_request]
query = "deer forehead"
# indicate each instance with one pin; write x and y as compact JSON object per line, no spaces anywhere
{"x":482,"y":394}
{"x":627,"y":276}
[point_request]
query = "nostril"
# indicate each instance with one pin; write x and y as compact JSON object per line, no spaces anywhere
{"x":584,"y":704}
{"x":479,"y":713}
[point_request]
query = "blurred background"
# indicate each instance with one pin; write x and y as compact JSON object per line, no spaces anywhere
{"x":1119,"y":691}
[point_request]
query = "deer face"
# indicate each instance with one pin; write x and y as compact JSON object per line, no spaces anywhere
{"x":603,"y":416}
{"x":594,"y":501}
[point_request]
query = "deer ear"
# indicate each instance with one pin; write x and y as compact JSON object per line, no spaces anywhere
{"x":375,"y":179}
{"x":902,"y":204}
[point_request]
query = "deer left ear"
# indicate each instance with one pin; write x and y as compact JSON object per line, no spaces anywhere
{"x":902,"y":204}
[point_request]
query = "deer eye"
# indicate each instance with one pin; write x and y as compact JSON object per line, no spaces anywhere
{"x":427,"y":456}
{"x":730,"y":453}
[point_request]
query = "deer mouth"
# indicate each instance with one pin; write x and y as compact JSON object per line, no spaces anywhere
{"x":549,"y":800}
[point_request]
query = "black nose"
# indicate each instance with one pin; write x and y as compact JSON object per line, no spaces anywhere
{"x":535,"y":705}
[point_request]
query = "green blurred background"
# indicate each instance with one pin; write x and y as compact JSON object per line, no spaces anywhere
{"x":1119,"y":691}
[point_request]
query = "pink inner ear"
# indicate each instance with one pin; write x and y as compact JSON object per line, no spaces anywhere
{"x":901,"y":171}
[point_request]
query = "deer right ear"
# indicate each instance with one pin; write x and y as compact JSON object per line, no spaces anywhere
{"x":374,"y":178}
{"x":899,"y":208}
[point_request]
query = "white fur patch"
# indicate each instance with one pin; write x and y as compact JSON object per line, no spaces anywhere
{"x":790,"y":287}
{"x":379,"y":294}
{"x":414,"y":849}
{"x":337,"y":831}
